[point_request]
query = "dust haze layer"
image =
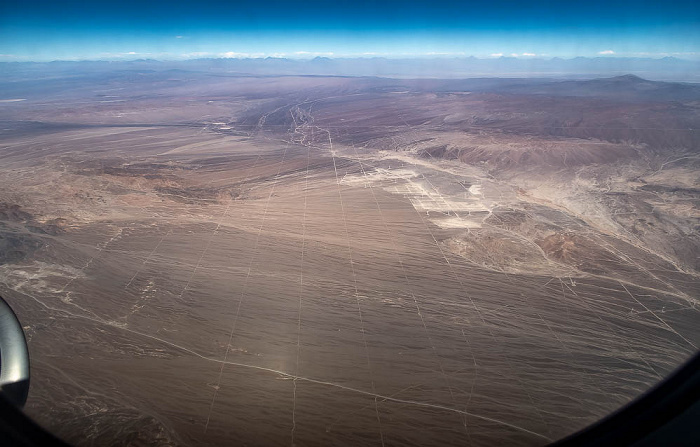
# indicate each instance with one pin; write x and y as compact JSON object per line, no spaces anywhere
{"x":427,"y":67}
{"x":207,"y":258}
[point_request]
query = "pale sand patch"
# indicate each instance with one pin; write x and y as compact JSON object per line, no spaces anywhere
{"x":456,"y":222}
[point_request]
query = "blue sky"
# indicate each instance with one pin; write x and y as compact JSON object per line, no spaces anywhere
{"x":43,"y":30}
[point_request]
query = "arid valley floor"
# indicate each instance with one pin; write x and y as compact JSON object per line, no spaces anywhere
{"x":238,"y":260}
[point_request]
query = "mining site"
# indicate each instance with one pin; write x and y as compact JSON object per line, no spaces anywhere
{"x":201,"y":257}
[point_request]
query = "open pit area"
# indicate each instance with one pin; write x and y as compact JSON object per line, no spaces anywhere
{"x":315,"y":261}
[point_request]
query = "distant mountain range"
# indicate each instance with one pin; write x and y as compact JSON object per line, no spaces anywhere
{"x":665,"y":69}
{"x":628,"y":88}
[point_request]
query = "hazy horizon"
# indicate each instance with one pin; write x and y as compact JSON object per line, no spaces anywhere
{"x":669,"y":69}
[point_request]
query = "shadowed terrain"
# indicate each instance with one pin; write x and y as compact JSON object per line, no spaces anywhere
{"x":207,"y":258}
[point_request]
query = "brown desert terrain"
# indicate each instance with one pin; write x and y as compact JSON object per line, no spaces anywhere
{"x":240,"y":260}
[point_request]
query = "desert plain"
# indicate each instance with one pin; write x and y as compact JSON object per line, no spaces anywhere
{"x":216,"y":258}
